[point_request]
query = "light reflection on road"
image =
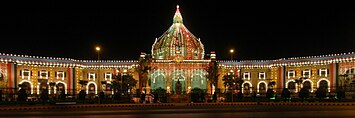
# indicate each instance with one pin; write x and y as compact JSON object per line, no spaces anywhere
{"x":313,"y":114}
{"x":288,"y":114}
{"x":198,"y":112}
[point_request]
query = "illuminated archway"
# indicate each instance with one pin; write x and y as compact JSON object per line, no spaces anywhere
{"x":258,"y":86}
{"x":178,"y":75}
{"x":310,"y":82}
{"x":30,"y":83}
{"x":249,"y":87}
{"x":157,"y":80}
{"x":324,"y":80}
{"x":289,"y":82}
{"x":198,"y":80}
{"x":65,"y":86}
{"x":87,"y":87}
{"x":41,"y":86}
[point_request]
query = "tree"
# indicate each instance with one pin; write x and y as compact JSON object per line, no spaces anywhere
{"x":304,"y":93}
{"x":44,"y":95}
{"x":270,"y":93}
{"x":321,"y":93}
{"x":197,"y":95}
{"x":299,"y":82}
{"x":212,"y":76}
{"x":52,"y":84}
{"x":103,"y":82}
{"x":82,"y":95}
{"x":229,"y":81}
{"x":116,"y":86}
{"x":286,"y":94}
{"x":128,"y":82}
{"x":123,"y":83}
{"x":240,"y":81}
{"x":344,"y":80}
{"x":272,"y":84}
{"x":62,"y":95}
{"x":161,"y":94}
{"x":82,"y":83}
{"x":22,"y":94}
{"x":143,"y":70}
{"x":102,"y":96}
{"x":340,"y":93}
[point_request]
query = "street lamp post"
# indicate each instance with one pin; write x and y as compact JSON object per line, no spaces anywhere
{"x":98,"y":52}
{"x":232,"y":52}
{"x":97,"y":48}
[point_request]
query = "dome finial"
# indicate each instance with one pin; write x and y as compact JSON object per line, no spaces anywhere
{"x":177,"y":16}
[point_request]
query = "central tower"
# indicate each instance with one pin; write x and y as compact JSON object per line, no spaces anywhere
{"x":178,"y":60}
{"x":178,"y":43}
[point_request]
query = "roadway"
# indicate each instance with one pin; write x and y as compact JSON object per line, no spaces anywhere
{"x":191,"y":112}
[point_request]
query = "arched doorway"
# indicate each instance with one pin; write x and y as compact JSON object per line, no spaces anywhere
{"x":246,"y":88}
{"x":158,"y":81}
{"x":323,"y":84}
{"x":178,"y":82}
{"x":291,"y":86}
{"x":27,"y":87}
{"x":198,"y":81}
{"x":43,"y":86}
{"x":307,"y":85}
{"x":60,"y":88}
{"x":108,"y":89}
{"x":91,"y":90}
{"x":179,"y":87}
{"x":262,"y":87}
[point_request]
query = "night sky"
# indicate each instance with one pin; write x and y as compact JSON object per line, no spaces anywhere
{"x":123,"y":30}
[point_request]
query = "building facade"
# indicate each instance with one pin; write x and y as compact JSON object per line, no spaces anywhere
{"x":177,"y":57}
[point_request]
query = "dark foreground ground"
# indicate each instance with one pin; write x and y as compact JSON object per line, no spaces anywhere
{"x":220,"y":110}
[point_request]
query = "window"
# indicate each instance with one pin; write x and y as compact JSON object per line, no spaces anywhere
{"x":108,"y":76}
{"x":262,"y":75}
{"x":91,"y":76}
{"x":43,"y":74}
{"x":60,"y":75}
{"x":246,"y":75}
{"x":291,"y":74}
{"x":323,"y":72}
{"x":25,"y":73}
{"x":350,"y":71}
{"x":307,"y":73}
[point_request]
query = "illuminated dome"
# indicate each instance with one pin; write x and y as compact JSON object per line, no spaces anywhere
{"x":177,"y":42}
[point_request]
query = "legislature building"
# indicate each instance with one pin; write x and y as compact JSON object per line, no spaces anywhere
{"x":178,"y":64}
